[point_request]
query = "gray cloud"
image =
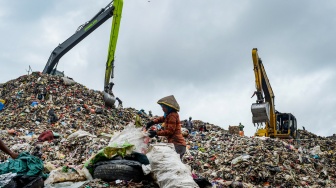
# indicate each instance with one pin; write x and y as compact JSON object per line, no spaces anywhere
{"x":199,"y":51}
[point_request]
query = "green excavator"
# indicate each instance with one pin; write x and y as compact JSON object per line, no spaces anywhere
{"x":113,"y":9}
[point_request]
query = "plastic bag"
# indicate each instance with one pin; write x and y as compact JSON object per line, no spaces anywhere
{"x":6,"y":178}
{"x":66,"y":185}
{"x":146,"y":169}
{"x":49,"y":166}
{"x":185,"y":132}
{"x":2,"y":106}
{"x":19,"y":147}
{"x":240,"y":159}
{"x":80,"y":133}
{"x":316,"y":150}
{"x":132,"y":135}
{"x":300,"y":150}
{"x":57,"y":176}
{"x":87,"y":174}
{"x":167,"y":168}
{"x":108,"y":153}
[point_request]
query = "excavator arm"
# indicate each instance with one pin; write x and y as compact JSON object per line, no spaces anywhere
{"x":82,"y":32}
{"x":263,"y":110}
{"x":282,"y":125}
{"x":118,"y":4}
{"x":108,"y":94}
{"x":114,"y":8}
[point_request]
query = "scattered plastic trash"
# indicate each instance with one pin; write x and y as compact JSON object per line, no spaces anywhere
{"x":33,"y":104}
{"x":239,"y":159}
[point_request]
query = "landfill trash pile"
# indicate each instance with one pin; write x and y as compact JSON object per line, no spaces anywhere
{"x":240,"y":161}
{"x":38,"y":103}
{"x":332,"y":137}
{"x":62,"y":122}
{"x":66,"y":123}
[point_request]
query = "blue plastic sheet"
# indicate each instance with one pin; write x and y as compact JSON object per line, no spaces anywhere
{"x":34,"y":103}
{"x":2,"y":106}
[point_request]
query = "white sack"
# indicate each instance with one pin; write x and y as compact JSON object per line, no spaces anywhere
{"x":167,"y":168}
{"x":132,"y":135}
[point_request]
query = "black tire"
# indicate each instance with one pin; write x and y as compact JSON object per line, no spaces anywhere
{"x":23,"y":181}
{"x":134,"y":164}
{"x":11,"y":184}
{"x":36,"y":183}
{"x":112,"y":172}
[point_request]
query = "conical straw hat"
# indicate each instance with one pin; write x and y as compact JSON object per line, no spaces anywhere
{"x":170,"y":101}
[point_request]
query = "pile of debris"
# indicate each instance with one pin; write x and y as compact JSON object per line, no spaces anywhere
{"x":47,"y":112}
{"x":332,"y":137}
{"x":62,"y":122}
{"x":38,"y":103}
{"x":231,"y":160}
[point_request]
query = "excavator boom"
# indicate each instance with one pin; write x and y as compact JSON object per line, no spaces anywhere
{"x":114,"y":8}
{"x":118,"y":5}
{"x":263,"y":110}
{"x":83,"y":31}
{"x":108,"y":94}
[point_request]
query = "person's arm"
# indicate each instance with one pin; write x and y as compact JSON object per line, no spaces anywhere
{"x":5,"y":149}
{"x":155,"y":121}
{"x":159,"y":120}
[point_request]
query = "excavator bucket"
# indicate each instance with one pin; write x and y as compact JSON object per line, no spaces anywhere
{"x":260,"y":112}
{"x":109,"y":99}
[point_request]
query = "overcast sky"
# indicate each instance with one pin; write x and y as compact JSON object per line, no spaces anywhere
{"x":197,"y":50}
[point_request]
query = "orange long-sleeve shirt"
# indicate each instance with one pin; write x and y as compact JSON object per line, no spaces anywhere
{"x":172,"y":128}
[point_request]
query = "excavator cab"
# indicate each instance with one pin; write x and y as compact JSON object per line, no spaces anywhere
{"x":286,"y":125}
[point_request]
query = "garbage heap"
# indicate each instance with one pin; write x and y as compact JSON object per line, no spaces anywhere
{"x":240,"y":161}
{"x":332,"y":137}
{"x":38,"y":103}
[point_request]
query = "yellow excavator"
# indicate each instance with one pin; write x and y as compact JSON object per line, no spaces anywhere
{"x":114,"y":8}
{"x":269,"y":122}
